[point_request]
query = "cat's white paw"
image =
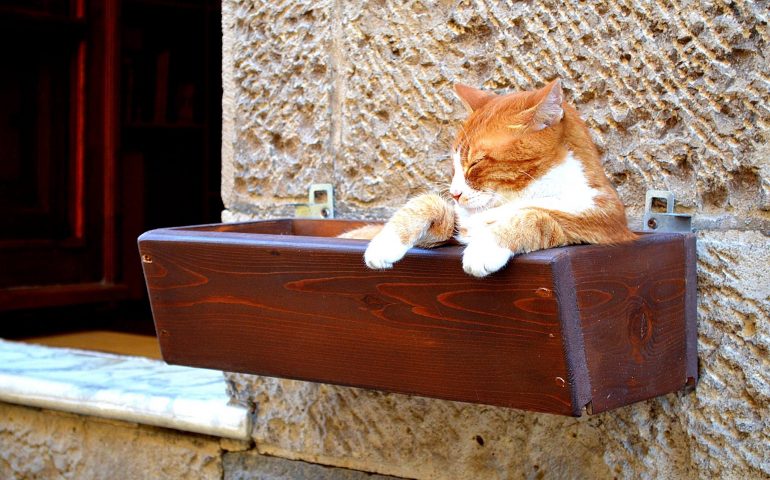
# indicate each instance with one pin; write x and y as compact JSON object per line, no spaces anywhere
{"x":483,"y":256}
{"x":384,"y":250}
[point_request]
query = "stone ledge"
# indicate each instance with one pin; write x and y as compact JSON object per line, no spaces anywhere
{"x":48,"y":444}
{"x":119,"y":387}
{"x":252,"y":465}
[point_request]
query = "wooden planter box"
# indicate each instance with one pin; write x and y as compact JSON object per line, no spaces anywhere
{"x":557,"y":331}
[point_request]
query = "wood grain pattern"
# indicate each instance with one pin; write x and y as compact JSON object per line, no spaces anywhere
{"x":261,"y":298}
{"x":631,"y":300}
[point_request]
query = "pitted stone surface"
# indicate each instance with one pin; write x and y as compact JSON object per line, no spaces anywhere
{"x":676,"y":95}
{"x":253,"y":466}
{"x":40,"y":444}
{"x":281,"y":113}
{"x":720,"y":431}
{"x":360,"y":93}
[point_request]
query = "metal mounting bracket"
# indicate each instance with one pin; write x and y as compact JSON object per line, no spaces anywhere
{"x":664,"y":222}
{"x":320,"y":202}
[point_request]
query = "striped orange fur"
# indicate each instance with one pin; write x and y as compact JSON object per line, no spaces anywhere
{"x":527,"y":176}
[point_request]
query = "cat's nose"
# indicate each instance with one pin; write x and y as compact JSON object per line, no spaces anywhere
{"x":456,"y":196}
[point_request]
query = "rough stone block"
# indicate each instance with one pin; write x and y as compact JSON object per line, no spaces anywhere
{"x":45,"y":444}
{"x":359,"y":93}
{"x":253,"y":466}
{"x":675,"y":94}
{"x":280,"y":112}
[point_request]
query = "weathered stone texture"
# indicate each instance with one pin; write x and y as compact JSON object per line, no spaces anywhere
{"x":253,"y":466}
{"x":731,"y":419}
{"x":280,"y":113}
{"x":360,"y":93}
{"x":40,"y":444}
{"x":676,"y":94}
{"x":720,"y":430}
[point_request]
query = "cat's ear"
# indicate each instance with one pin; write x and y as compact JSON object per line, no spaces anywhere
{"x":473,"y":98}
{"x":549,"y":110}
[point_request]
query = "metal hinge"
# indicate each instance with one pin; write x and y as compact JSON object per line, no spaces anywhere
{"x":320,"y":202}
{"x":664,"y":222}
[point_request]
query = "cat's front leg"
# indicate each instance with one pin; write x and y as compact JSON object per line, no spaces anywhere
{"x":495,"y":240}
{"x":385,"y":249}
{"x":426,"y":220}
{"x":484,"y":254}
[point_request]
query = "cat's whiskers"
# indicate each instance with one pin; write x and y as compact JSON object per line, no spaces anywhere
{"x":465,"y":136}
{"x":445,"y":142}
{"x":443,"y":191}
{"x":525,"y":173}
{"x":496,"y":196}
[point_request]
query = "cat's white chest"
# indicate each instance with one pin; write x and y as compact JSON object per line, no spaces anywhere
{"x":467,"y":223}
{"x":564,"y":188}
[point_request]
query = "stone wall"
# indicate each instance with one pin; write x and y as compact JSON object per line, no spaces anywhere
{"x":45,"y":444}
{"x":359,"y":94}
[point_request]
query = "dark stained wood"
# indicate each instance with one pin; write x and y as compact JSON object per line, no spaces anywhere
{"x":72,"y":204}
{"x":299,"y":227}
{"x":58,"y":142}
{"x":574,"y":345}
{"x":60,"y":295}
{"x":691,"y":310}
{"x":556,"y":331}
{"x":631,"y":302}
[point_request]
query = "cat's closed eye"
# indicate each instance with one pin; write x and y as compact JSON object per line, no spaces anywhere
{"x":475,"y":163}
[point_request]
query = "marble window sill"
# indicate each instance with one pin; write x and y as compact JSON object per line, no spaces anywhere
{"x":119,"y":387}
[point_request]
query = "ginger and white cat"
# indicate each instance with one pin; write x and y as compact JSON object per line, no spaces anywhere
{"x":527,"y":176}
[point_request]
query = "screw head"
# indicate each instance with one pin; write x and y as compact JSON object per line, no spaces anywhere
{"x":652,"y":223}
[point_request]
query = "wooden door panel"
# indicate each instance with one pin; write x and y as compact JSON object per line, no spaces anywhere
{"x":34,"y":132}
{"x":57,"y":233}
{"x":41,"y":7}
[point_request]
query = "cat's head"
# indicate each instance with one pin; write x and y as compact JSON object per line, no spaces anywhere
{"x":504,"y":141}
